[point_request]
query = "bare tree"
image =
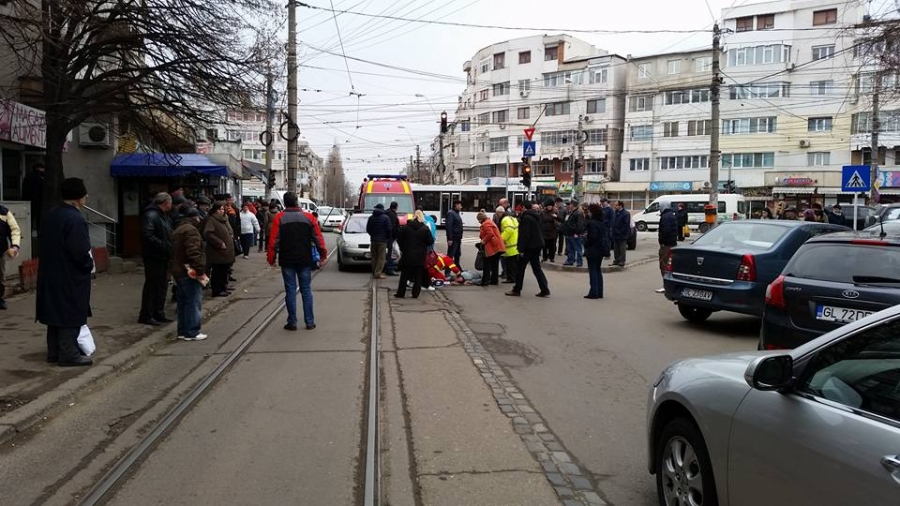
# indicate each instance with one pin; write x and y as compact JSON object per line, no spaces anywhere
{"x":158,"y":65}
{"x":335,"y":191}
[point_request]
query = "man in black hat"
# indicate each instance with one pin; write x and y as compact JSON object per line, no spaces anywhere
{"x":64,"y":276}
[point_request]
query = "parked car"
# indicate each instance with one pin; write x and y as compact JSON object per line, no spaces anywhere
{"x":729,"y":267}
{"x":353,"y":242}
{"x":886,"y":227}
{"x":884,"y":213}
{"x":331,"y":218}
{"x":817,"y":425}
{"x":864,"y":215}
{"x":832,"y":280}
{"x":632,"y":237}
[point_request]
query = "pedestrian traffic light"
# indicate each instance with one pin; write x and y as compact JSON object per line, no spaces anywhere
{"x":526,"y":175}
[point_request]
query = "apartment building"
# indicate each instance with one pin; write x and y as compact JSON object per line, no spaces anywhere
{"x":548,"y":82}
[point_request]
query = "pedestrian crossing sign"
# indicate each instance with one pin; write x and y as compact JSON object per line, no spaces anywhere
{"x":529,"y":148}
{"x":856,"y":178}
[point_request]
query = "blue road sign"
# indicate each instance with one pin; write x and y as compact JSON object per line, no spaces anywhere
{"x":856,"y":178}
{"x":529,"y":148}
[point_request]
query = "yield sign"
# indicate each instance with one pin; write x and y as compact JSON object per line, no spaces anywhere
{"x":528,"y":133}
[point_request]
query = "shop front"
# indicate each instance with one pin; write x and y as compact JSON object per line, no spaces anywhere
{"x":801,"y":190}
{"x":889,"y":186}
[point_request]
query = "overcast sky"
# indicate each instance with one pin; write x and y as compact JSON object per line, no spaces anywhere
{"x":367,"y":127}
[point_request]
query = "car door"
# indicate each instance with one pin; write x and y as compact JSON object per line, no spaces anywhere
{"x":834,"y":438}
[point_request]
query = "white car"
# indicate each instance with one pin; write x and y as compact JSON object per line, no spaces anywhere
{"x":331,"y":218}
{"x":353,"y":242}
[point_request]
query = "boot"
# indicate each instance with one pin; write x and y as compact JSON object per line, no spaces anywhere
{"x":69,"y":354}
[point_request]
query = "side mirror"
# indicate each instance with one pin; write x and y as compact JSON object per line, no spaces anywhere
{"x":770,"y":372}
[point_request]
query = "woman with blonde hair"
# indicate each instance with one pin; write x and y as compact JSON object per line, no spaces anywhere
{"x":492,"y":244}
{"x":414,"y":240}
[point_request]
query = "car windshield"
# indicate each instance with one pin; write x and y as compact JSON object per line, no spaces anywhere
{"x":404,"y":202}
{"x":845,"y":263}
{"x":356,"y":224}
{"x":743,"y":235}
{"x":890,"y":228}
{"x":891,"y":214}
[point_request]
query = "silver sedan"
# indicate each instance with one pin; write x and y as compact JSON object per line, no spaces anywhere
{"x":818,"y":425}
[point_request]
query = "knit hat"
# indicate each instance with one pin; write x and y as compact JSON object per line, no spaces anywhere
{"x":72,"y":188}
{"x":203,"y":201}
{"x":191,"y":212}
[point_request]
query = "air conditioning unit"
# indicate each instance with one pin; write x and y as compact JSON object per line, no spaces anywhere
{"x":524,"y":93}
{"x":804,"y":143}
{"x":502,"y":126}
{"x":93,"y":135}
{"x":588,"y":119}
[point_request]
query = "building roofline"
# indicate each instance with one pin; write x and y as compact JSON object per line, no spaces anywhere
{"x":668,"y":53}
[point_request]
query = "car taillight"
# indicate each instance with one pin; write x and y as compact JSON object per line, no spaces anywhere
{"x":774,"y":347}
{"x":747,"y":269}
{"x":775,"y":293}
{"x":670,"y":263}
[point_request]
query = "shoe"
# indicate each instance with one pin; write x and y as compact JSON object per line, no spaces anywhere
{"x":380,"y":276}
{"x":567,"y":264}
{"x":430,"y":288}
{"x":52,"y":360}
{"x":398,"y":296}
{"x":579,"y":265}
{"x":311,"y":326}
{"x":660,"y":290}
{"x":592,"y":297}
{"x":391,"y":274}
{"x":150,"y":321}
{"x":513,"y":293}
{"x":180,"y":338}
{"x":290,"y":326}
{"x":231,"y":278}
{"x":508,"y":281}
{"x":164,"y":320}
{"x":81,"y":361}
{"x":409,"y":284}
{"x":198,"y":337}
{"x":2,"y":304}
{"x":246,"y":256}
{"x":221,"y":294}
{"x":542,"y":295}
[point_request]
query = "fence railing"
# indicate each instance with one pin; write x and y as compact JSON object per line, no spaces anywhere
{"x":102,"y":229}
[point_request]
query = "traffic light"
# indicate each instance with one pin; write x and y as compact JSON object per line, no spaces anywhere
{"x":730,"y":187}
{"x":443,"y":122}
{"x":526,"y":175}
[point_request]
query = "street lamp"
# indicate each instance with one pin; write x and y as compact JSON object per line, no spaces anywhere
{"x":419,"y":95}
{"x":407,"y":133}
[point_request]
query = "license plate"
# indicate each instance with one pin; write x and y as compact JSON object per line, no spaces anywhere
{"x":692,"y":293}
{"x":840,"y":314}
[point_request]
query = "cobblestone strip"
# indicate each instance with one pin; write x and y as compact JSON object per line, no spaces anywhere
{"x":567,"y":477}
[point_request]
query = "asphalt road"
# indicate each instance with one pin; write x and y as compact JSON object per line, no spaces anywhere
{"x":586,"y":365}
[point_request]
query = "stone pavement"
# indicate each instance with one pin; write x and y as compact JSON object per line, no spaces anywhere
{"x":29,"y":386}
{"x":647,"y":251}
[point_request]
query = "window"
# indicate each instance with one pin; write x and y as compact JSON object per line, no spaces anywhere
{"x":744,"y":24}
{"x":499,"y":61}
{"x":748,"y":160}
{"x":485,"y":65}
{"x":524,"y":57}
{"x":499,"y":117}
{"x":683,"y":162}
{"x":818,"y":158}
{"x":748,"y":126}
{"x":673,"y":67}
{"x":551,"y":53}
{"x":822,"y":52}
{"x":499,"y":144}
{"x":861,"y":123}
{"x":558,"y":109}
{"x":501,"y":89}
{"x":544,"y":168}
{"x":695,"y":96}
{"x":524,"y":86}
{"x":565,"y":166}
{"x":754,"y":91}
{"x":670,"y":129}
{"x":859,"y":372}
{"x":523,"y":112}
{"x":640,"y":103}
{"x":596,"y":106}
{"x":558,"y":137}
{"x":645,"y":70}
{"x":765,"y":22}
{"x":699,"y":95}
{"x":636,"y":164}
{"x":483,"y":94}
{"x":641,"y":133}
{"x":703,"y":64}
{"x":598,"y":76}
{"x":555,"y":79}
{"x":826,"y":17}
{"x":699,"y":127}
{"x":821,"y":87}
{"x":596,"y":137}
{"x":465,"y":126}
{"x":820,"y":124}
{"x":595,"y":166}
{"x":484,"y":119}
{"x":759,"y":55}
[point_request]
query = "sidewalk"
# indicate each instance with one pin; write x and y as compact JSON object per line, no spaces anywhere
{"x":29,"y":386}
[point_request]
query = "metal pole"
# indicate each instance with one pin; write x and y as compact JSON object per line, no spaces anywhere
{"x":714,"y":130}
{"x":418,"y":166}
{"x":579,"y":163}
{"x":270,"y":138}
{"x":876,"y":126}
{"x":441,"y":158}
{"x":292,"y":160}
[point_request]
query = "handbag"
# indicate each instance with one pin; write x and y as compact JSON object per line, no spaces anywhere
{"x":237,"y":247}
{"x":479,"y":260}
{"x":316,"y":257}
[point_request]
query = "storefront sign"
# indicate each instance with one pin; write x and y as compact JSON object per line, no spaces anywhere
{"x":670,"y":186}
{"x":889,"y":179}
{"x":22,"y":124}
{"x":797,"y":181}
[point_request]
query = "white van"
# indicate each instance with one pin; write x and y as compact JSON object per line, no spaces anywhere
{"x":731,"y":206}
{"x":305,"y":204}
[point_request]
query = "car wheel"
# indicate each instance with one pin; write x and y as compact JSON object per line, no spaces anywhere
{"x":632,"y":243}
{"x":341,"y":265}
{"x":641,"y":226}
{"x":703,"y":228}
{"x":683,"y":472}
{"x":694,"y":314}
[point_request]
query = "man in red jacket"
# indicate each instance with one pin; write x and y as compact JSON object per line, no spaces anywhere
{"x":294,"y":238}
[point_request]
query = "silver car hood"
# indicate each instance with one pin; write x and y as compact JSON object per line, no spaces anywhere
{"x":728,"y":366}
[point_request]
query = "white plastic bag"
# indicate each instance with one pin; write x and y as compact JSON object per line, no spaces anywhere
{"x":395,"y":254}
{"x":86,"y":341}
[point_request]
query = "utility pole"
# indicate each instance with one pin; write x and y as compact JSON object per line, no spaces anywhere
{"x":270,"y":138}
{"x":579,"y":162}
{"x":411,"y":167}
{"x":876,"y":126}
{"x":418,"y":166}
{"x":714,"y":90}
{"x":441,"y":166}
{"x":292,"y":159}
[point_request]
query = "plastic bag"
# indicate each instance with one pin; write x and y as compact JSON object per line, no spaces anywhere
{"x":86,"y":341}
{"x":395,"y":253}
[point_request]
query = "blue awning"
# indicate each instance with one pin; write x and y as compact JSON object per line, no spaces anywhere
{"x":165,"y":165}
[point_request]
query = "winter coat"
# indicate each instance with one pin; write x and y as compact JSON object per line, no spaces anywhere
{"x":510,"y":232}
{"x":233,"y":219}
{"x":621,"y":228}
{"x":681,"y":217}
{"x":395,"y":223}
{"x":596,"y":245}
{"x":64,"y":269}
{"x":432,"y":226}
{"x":270,"y":219}
{"x":549,"y":224}
{"x":491,"y":239}
{"x":379,"y":226}
{"x":609,"y":215}
{"x":10,"y":233}
{"x":530,"y":237}
{"x":454,"y":225}
{"x":574,"y":223}
{"x":668,"y":228}
{"x":187,"y":249}
{"x":156,"y":235}
{"x":249,"y":223}
{"x":294,"y":235}
{"x":219,"y":240}
{"x":414,"y":239}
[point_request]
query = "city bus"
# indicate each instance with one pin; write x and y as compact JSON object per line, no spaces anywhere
{"x":436,"y":200}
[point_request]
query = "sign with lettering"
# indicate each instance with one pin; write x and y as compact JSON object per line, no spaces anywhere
{"x":797,"y":181}
{"x":22,"y":124}
{"x":668,"y":186}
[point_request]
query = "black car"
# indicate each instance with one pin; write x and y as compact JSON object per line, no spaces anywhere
{"x":831,"y":281}
{"x":729,"y":267}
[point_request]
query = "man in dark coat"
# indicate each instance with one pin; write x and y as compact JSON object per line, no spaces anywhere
{"x":681,"y":218}
{"x":620,"y":232}
{"x":391,"y":266}
{"x":33,"y":191}
{"x":454,"y":226}
{"x":64,"y":276}
{"x":378,"y":227}
{"x":156,"y":235}
{"x":668,"y":236}
{"x":531,"y":242}
{"x":414,"y":240}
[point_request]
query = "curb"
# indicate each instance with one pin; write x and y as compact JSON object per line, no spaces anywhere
{"x":606,"y":269}
{"x":31,"y":414}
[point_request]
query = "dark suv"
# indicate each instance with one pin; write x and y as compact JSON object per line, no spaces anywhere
{"x":832,"y":280}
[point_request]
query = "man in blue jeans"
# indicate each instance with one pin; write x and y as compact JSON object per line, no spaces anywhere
{"x":575,"y":227}
{"x":294,"y":234}
{"x":188,"y":268}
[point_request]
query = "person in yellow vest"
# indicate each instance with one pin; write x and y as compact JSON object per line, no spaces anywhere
{"x":509,"y":231}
